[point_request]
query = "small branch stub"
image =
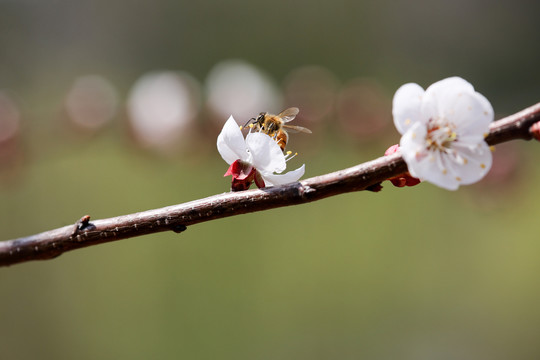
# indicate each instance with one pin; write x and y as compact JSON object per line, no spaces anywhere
{"x":82,"y":224}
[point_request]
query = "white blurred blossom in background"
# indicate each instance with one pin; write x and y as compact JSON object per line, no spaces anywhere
{"x":237,"y":88}
{"x":91,"y":102}
{"x":162,"y":107}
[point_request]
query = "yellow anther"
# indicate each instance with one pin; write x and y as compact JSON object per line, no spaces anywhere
{"x":241,"y":127}
{"x":492,"y":148}
{"x":407,"y":121}
{"x":458,"y":178}
{"x":251,"y":126}
{"x":483,"y":166}
{"x":444,"y":171}
{"x":289,"y":152}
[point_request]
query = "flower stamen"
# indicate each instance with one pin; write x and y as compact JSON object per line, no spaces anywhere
{"x":440,"y":135}
{"x":288,"y":155}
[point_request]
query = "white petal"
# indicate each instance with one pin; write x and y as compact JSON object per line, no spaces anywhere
{"x":230,"y":142}
{"x":413,"y":142}
{"x":434,"y":168}
{"x":423,"y":164}
{"x":406,"y":106}
{"x":440,"y":89}
{"x":486,"y":105}
{"x":266,"y":153}
{"x":472,"y":114}
{"x":455,"y":100}
{"x":442,"y":175}
{"x":475,"y":167}
{"x":289,"y":177}
{"x":439,"y":95}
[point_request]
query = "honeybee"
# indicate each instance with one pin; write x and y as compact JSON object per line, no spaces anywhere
{"x":275,"y":125}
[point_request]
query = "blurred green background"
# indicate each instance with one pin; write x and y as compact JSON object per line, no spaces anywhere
{"x":113,"y":107}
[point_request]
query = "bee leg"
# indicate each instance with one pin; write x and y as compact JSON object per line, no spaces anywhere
{"x":252,"y":120}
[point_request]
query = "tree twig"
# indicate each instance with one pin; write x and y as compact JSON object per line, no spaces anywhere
{"x":177,"y":218}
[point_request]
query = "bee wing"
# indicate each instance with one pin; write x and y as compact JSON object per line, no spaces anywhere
{"x":289,"y":114}
{"x":294,"y":128}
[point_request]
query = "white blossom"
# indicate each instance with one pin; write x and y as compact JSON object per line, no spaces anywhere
{"x":257,"y":150}
{"x":443,"y":130}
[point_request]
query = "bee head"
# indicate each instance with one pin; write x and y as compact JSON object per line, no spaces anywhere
{"x":258,"y":120}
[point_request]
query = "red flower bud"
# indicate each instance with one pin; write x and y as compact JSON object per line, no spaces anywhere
{"x":535,"y":130}
{"x":243,"y":174}
{"x":403,"y":179}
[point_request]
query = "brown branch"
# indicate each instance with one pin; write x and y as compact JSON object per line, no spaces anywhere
{"x":84,"y":232}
